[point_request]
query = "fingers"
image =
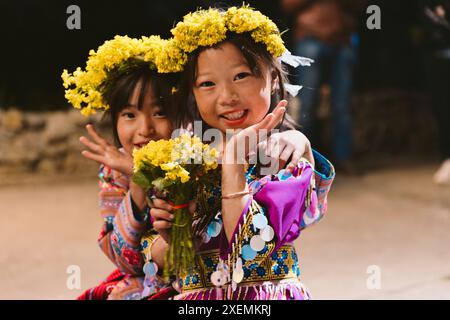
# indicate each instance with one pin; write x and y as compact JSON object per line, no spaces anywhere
{"x":274,"y":118}
{"x":162,"y":204}
{"x":162,"y":218}
{"x":159,"y":214}
{"x":87,"y":154}
{"x":192,"y":207}
{"x":282,"y":104}
{"x":284,"y":156}
{"x":286,"y":153}
{"x":294,"y":161}
{"x":97,"y":138}
{"x":264,"y":124}
{"x":273,"y":148}
{"x":161,"y":224}
{"x":278,"y":112}
{"x":91,"y":145}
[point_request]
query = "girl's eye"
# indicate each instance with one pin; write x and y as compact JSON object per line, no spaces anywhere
{"x":159,"y":114}
{"x":242,"y":75}
{"x":128,"y":115}
{"x":206,"y":84}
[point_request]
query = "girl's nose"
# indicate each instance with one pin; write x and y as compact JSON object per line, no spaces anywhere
{"x":146,"y":128}
{"x":228,"y":96}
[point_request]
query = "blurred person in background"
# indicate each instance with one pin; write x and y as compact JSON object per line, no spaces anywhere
{"x":324,"y":30}
{"x":437,"y":22}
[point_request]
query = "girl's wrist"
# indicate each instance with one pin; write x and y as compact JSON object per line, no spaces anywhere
{"x":138,"y":196}
{"x":233,"y":178}
{"x":233,"y":153}
{"x":127,"y":168}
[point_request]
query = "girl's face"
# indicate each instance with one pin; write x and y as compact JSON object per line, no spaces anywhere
{"x":136,"y":128}
{"x":228,"y":94}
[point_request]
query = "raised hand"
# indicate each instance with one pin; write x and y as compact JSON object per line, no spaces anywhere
{"x":287,"y":146}
{"x":250,"y":137}
{"x":103,"y":152}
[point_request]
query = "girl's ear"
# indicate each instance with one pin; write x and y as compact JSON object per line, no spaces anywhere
{"x":275,"y":82}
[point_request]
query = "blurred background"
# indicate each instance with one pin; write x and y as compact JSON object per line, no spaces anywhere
{"x":376,"y":102}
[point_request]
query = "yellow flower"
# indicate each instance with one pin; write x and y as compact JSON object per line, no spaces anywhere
{"x":204,"y":28}
{"x":174,"y":157}
{"x":171,"y":58}
{"x":184,"y":175}
{"x":200,"y":29}
{"x":84,"y":88}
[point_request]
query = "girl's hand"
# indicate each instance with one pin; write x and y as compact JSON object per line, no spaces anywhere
{"x":103,"y":152}
{"x":282,"y":146}
{"x":269,"y":122}
{"x":162,"y":213}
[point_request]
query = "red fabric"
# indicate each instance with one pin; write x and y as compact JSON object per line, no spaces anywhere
{"x":163,"y":294}
{"x":101,"y":292}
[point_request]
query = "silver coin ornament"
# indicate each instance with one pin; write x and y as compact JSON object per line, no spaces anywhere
{"x":233,"y":286}
{"x":214,"y":228}
{"x":148,"y":282}
{"x":205,"y":237}
{"x":267,"y":234}
{"x":147,"y":291}
{"x":150,"y":269}
{"x":259,"y":221}
{"x":218,"y":278}
{"x":238,"y":272}
{"x":239,"y":263}
{"x":248,"y":253}
{"x":238,"y":275}
{"x":257,"y":243}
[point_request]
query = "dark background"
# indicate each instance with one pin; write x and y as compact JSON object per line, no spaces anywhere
{"x":37,"y":46}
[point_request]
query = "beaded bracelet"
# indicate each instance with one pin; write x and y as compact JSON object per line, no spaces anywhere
{"x":235,"y":195}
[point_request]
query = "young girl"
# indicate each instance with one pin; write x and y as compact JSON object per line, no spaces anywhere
{"x":233,"y":81}
{"x":140,"y":104}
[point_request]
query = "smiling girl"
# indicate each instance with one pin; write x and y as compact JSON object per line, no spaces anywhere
{"x":138,"y":101}
{"x":234,"y":81}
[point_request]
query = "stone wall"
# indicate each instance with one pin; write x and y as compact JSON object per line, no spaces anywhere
{"x":46,"y":142}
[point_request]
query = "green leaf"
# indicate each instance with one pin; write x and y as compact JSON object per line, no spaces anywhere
{"x":140,"y":179}
{"x":161,"y":183}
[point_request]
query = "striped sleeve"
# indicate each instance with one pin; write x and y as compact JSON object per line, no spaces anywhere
{"x":121,"y":233}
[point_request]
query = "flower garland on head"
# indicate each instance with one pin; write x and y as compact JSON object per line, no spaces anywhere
{"x":263,"y":30}
{"x":85,"y":89}
{"x":205,"y":28}
{"x":201,"y":28}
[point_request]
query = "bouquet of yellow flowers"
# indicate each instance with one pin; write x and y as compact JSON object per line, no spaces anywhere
{"x":179,"y":168}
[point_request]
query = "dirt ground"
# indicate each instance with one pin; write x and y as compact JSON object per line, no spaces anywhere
{"x":393,"y":220}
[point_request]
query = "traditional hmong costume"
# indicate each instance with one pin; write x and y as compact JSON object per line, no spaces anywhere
{"x":260,"y":261}
{"x":120,"y":240}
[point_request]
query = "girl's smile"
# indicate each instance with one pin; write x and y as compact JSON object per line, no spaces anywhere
{"x":235,"y":118}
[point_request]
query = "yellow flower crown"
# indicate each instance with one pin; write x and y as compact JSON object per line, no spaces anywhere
{"x":85,"y":88}
{"x":208,"y":27}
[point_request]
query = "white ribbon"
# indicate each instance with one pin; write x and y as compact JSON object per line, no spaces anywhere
{"x":295,"y":61}
{"x":292,"y":89}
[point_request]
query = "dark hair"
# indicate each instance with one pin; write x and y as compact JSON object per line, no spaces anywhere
{"x":121,"y":88}
{"x":256,"y":55}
